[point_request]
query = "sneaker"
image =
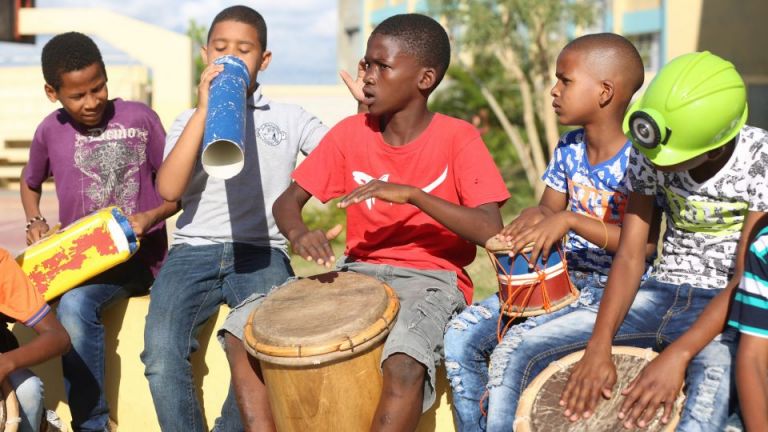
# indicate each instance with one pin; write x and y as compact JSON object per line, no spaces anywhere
{"x":52,"y":423}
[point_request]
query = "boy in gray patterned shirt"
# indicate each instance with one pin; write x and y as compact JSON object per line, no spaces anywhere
{"x":694,"y":156}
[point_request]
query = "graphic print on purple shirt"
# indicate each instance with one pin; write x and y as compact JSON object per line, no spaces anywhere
{"x":111,"y":164}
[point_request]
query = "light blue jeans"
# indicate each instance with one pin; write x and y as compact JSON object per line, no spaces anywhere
{"x":79,"y":312}
{"x":660,"y":314}
{"x":471,"y":338}
{"x":29,"y":392}
{"x":193,"y":283}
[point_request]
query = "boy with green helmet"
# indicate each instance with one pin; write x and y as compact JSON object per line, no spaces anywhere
{"x":707,"y":170}
{"x":698,"y":104}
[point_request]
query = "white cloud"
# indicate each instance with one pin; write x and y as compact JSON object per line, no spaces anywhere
{"x":302,"y":33}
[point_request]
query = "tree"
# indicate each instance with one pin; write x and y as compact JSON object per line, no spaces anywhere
{"x":198,"y":33}
{"x":524,"y":36}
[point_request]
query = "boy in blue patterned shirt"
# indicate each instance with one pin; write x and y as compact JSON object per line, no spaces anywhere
{"x":749,"y":314}
{"x":585,"y":197}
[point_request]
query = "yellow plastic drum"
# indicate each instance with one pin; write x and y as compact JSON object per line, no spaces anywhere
{"x":319,"y":342}
{"x":82,"y":250}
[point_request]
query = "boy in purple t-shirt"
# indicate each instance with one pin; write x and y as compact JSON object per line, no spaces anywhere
{"x":101,"y":153}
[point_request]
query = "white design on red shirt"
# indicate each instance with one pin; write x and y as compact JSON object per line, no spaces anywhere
{"x":362,"y":178}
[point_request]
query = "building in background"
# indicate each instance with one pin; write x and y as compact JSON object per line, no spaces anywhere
{"x":144,"y":62}
{"x":661,"y":30}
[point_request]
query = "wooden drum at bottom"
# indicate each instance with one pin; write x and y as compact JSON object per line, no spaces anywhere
{"x":539,"y":409}
{"x":319,"y":342}
{"x":10,"y":417}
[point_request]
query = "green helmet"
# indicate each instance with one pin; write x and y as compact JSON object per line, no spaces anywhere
{"x":696,"y":103}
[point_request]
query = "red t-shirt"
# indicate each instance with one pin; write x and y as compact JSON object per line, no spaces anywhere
{"x":448,"y":160}
{"x":19,"y":300}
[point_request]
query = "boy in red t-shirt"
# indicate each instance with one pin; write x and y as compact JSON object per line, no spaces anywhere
{"x":421,"y":191}
{"x":20,"y":301}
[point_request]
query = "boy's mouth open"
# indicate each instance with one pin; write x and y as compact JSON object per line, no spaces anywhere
{"x":368,"y":97}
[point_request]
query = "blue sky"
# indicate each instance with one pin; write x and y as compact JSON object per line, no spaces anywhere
{"x":302,"y":33}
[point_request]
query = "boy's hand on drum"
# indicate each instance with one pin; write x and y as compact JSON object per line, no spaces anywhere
{"x":378,"y":189}
{"x":591,"y":378}
{"x":314,"y":245}
{"x":657,"y":385}
{"x":36,"y":231}
{"x":141,"y":223}
{"x":545,"y":234}
{"x":527,"y":218}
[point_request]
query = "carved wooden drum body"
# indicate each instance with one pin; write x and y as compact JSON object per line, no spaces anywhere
{"x":319,"y":342}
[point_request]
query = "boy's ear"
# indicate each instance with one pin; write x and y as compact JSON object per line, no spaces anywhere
{"x":51,"y":93}
{"x":265,"y":59}
{"x":428,"y":78}
{"x":204,"y":54}
{"x":607,"y":89}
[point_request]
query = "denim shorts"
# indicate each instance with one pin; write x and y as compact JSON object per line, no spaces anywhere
{"x":238,"y":317}
{"x":428,"y":300}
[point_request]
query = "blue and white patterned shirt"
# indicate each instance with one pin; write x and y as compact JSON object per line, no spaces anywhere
{"x":600,"y":192}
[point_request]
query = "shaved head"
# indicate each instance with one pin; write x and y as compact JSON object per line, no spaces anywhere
{"x":611,"y":57}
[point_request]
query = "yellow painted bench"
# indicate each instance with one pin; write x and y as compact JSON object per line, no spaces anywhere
{"x":127,"y":388}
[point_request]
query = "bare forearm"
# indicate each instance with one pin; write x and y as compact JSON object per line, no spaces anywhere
{"x":287,"y":214}
{"x":30,"y":200}
{"x":42,"y":348}
{"x":175,"y":172}
{"x":752,"y":381}
{"x":163,"y":212}
{"x":476,"y":225}
{"x":595,"y":231}
{"x":708,"y":325}
{"x":620,"y":291}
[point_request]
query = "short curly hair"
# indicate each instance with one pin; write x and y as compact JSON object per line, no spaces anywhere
{"x":245,"y":15}
{"x":68,"y":52}
{"x":422,"y":37}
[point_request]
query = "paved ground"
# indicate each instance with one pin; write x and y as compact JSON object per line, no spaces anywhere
{"x":12,"y":220}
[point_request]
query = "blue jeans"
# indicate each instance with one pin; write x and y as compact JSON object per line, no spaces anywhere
{"x":471,"y":338}
{"x":79,"y":311}
{"x":193,"y":283}
{"x":29,"y":392}
{"x":660,"y":314}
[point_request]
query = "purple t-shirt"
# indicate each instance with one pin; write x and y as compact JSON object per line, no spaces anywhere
{"x":111,"y":164}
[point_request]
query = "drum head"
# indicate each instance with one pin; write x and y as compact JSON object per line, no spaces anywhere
{"x":321,"y":318}
{"x":539,"y":408}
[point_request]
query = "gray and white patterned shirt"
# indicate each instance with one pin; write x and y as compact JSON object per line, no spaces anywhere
{"x":704,"y":220}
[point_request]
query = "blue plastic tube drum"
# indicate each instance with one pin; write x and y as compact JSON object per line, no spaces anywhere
{"x":224,"y":136}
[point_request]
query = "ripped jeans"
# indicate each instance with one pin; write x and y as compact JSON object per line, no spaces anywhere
{"x":660,"y":314}
{"x":470,"y":339}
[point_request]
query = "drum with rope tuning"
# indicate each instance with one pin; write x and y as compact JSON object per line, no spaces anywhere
{"x":319,"y":342}
{"x":539,"y":409}
{"x":526,"y":291}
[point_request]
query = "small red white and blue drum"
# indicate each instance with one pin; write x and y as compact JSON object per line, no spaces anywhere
{"x":525,"y":291}
{"x":539,"y":408}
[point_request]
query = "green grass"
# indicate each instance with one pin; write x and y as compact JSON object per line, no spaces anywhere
{"x":481,"y":271}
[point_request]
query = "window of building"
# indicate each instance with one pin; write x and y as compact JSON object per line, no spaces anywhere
{"x":647,"y":45}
